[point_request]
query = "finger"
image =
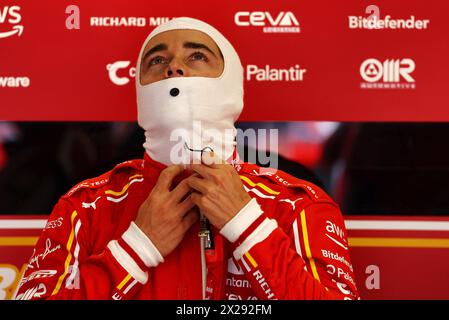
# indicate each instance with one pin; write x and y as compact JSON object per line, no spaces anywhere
{"x":203,"y":170}
{"x":189,"y":219}
{"x":212,"y":160}
{"x":197,"y":199}
{"x":198,"y":184}
{"x":180,"y":191}
{"x":167,"y":175}
{"x":185,"y":205}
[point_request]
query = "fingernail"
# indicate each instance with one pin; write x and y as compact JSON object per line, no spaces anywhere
{"x":207,"y":158}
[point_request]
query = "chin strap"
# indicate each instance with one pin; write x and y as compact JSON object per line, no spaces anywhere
{"x":198,"y":150}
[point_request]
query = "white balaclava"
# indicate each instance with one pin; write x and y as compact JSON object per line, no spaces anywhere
{"x":183,"y":116}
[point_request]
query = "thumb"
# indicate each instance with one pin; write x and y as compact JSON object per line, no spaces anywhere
{"x":211,"y":159}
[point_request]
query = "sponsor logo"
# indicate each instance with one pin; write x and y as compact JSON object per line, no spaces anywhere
{"x":37,"y":292}
{"x":48,"y":250}
{"x":337,"y":242}
{"x":38,"y":275}
{"x":128,"y":21}
{"x":263,"y":284}
{"x":93,"y":204}
{"x":283,"y":22}
{"x":342,"y":287}
{"x":293,"y":203}
{"x":340,"y":273}
{"x":156,"y":21}
{"x":335,"y":256}
{"x":118,"y":66}
{"x":232,"y":296}
{"x":389,"y":74}
{"x":270,"y":172}
{"x":267,"y":73}
{"x":312,"y":191}
{"x":117,"y":296}
{"x":87,"y":185}
{"x":335,"y":230}
{"x":14,"y":82}
{"x":53,"y":224}
{"x":11,"y":15}
{"x":237,"y":283}
{"x":375,"y":22}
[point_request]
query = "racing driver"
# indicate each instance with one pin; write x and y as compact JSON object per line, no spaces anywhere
{"x":190,"y":220}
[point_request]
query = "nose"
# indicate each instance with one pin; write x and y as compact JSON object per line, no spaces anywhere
{"x":175,"y":69}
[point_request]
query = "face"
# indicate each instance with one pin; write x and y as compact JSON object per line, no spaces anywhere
{"x":180,"y":53}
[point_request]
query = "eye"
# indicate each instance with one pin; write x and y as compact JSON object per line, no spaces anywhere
{"x":157,"y":60}
{"x":198,"y":56}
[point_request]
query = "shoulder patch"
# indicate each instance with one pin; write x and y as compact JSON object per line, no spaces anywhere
{"x":288,"y":181}
{"x":105,"y":178}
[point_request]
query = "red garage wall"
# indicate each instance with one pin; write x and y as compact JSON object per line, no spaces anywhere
{"x":389,"y":255}
{"x":304,"y":60}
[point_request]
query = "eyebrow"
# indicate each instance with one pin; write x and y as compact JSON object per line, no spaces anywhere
{"x":196,"y":45}
{"x":187,"y":45}
{"x":156,"y":48}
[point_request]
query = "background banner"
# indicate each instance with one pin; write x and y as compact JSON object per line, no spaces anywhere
{"x":303,"y":60}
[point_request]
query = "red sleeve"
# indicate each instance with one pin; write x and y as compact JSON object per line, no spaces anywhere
{"x":62,"y":268}
{"x":310,"y":260}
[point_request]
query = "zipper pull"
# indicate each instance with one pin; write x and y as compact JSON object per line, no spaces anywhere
{"x":205,"y":233}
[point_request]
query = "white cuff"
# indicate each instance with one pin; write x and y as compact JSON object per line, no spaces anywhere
{"x":260,"y":234}
{"x":127,"y":262}
{"x":241,"y":221}
{"x":142,"y":245}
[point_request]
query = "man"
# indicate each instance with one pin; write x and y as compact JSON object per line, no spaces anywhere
{"x":132,"y":233}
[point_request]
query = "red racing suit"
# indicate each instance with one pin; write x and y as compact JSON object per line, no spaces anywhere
{"x":291,"y":244}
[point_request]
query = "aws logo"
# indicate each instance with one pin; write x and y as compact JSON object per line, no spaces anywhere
{"x":10,"y":15}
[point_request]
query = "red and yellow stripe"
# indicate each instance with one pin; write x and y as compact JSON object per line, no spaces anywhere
{"x":307,"y":246}
{"x":69,"y":255}
{"x":125,"y":188}
{"x":251,"y":260}
{"x":18,"y":241}
{"x":260,"y":185}
{"x":124,"y":282}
